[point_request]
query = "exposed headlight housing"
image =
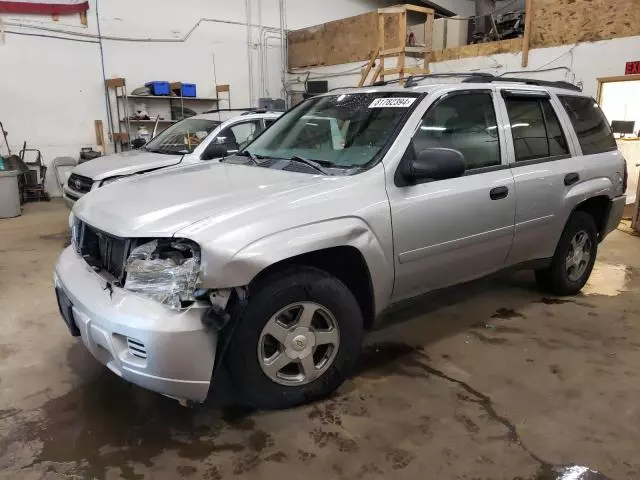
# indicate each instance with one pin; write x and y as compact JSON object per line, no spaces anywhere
{"x":109,"y":180}
{"x":165,"y":270}
{"x":74,"y":226}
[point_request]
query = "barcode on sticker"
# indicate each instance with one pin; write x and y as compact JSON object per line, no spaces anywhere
{"x":396,"y":102}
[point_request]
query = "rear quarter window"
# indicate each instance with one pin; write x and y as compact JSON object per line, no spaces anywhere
{"x":590,"y":124}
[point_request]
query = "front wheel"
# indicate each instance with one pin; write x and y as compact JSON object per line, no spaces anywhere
{"x":298,"y":339}
{"x":574,"y":257}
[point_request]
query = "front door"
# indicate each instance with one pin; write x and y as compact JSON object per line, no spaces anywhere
{"x":449,"y":231}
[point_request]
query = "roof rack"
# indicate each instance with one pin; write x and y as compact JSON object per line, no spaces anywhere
{"x":410,"y":80}
{"x":262,"y":110}
{"x":480,"y":77}
{"x":216,"y":110}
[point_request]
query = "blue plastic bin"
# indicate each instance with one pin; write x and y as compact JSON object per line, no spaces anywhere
{"x":187,"y":90}
{"x":158,"y":88}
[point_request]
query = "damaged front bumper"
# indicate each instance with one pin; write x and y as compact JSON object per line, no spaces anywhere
{"x":165,"y":350}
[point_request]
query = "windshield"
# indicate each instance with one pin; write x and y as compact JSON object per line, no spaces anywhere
{"x":342,"y":131}
{"x":183,"y":137}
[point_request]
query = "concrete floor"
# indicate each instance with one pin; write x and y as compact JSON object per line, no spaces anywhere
{"x":490,"y":380}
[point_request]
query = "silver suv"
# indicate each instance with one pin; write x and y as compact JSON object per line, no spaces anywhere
{"x":275,"y":261}
{"x":188,"y":141}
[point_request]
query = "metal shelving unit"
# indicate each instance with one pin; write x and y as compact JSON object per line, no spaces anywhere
{"x":119,"y":103}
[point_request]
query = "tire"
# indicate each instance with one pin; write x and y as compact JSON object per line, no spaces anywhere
{"x":252,"y":344}
{"x":557,"y":279}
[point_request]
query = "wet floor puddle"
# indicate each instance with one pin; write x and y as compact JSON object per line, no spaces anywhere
{"x":609,"y":280}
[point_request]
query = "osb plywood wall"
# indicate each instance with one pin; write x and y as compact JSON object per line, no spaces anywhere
{"x":561,"y":22}
{"x":477,"y":50}
{"x":343,"y":41}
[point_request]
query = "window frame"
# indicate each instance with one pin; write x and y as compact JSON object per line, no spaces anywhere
{"x":579,"y":149}
{"x":539,"y":95}
{"x":476,"y":171}
{"x":257,"y":132}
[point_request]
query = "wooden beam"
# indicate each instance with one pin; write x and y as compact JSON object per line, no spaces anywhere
{"x":407,"y":70}
{"x":392,"y":52}
{"x":527,"y":32}
{"x":402,"y":38}
{"x":428,"y":40}
{"x":99,"y":134}
{"x":415,"y":8}
{"x":376,"y":74}
{"x":389,"y":71}
{"x":114,"y":82}
{"x":381,"y":41}
{"x":367,"y":70}
{"x":398,"y":9}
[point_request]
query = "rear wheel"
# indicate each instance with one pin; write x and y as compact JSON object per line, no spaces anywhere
{"x":574,"y":257}
{"x":298,"y":339}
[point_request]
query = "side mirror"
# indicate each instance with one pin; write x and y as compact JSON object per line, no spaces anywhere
{"x":138,"y":143}
{"x":431,"y":164}
{"x":214,"y":150}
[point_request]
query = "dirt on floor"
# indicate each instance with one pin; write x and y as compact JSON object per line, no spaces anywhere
{"x":489,"y":380}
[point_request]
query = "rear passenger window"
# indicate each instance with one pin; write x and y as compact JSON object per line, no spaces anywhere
{"x":465,"y":122}
{"x":590,"y":124}
{"x":535,"y":129}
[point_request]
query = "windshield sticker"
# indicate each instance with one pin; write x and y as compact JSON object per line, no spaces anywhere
{"x":395,"y":102}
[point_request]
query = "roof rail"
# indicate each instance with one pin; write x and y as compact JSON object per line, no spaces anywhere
{"x":481,"y":77}
{"x":411,"y":80}
{"x":216,"y":110}
{"x":528,"y":81}
{"x":262,"y":110}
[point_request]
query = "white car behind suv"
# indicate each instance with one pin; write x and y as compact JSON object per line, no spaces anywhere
{"x":185,"y":142}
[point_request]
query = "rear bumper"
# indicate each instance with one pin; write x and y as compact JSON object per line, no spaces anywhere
{"x":614,"y":215}
{"x":140,"y":340}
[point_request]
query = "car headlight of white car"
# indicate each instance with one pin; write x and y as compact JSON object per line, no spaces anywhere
{"x":165,"y":270}
{"x":109,"y":180}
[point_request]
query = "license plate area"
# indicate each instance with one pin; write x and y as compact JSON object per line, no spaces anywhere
{"x":66,"y":311}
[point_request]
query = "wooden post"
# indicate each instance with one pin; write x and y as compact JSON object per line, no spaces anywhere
{"x":372,"y":61}
{"x":83,"y":18}
{"x":381,"y":42}
{"x":527,"y":32}
{"x":428,"y":40}
{"x":402,"y":34}
{"x":100,"y":135}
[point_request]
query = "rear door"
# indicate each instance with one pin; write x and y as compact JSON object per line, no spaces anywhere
{"x":545,"y":166}
{"x":449,"y":231}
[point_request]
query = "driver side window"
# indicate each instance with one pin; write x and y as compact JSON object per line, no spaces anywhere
{"x":465,"y":122}
{"x":237,"y":136}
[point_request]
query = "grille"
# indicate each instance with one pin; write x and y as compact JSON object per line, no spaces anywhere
{"x":103,"y":251}
{"x":136,"y":348}
{"x":79,"y":183}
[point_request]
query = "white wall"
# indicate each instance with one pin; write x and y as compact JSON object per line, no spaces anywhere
{"x":584,"y":62}
{"x":581,"y":63}
{"x":51,"y":89}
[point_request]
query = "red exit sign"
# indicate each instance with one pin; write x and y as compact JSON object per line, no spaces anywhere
{"x":632,"y":68}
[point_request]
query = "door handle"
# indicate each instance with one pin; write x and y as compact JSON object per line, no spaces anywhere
{"x":571,"y":178}
{"x":498,"y":193}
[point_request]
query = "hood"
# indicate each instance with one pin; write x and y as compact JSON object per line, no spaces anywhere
{"x":125,"y":163}
{"x":162,"y":203}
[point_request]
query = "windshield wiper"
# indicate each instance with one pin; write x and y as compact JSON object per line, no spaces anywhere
{"x":254,"y":158}
{"x":310,"y":163}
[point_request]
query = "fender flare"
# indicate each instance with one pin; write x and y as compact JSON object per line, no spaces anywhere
{"x":243,"y":266}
